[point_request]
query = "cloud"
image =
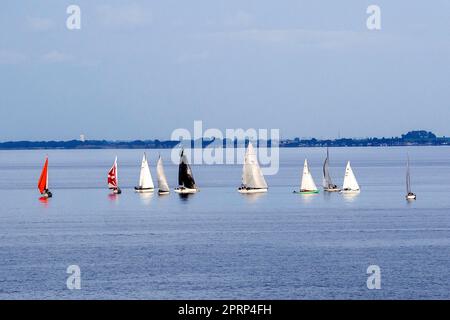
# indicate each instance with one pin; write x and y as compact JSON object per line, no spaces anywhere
{"x":123,"y":16}
{"x":11,"y":57}
{"x":56,"y":57}
{"x":40,"y":24}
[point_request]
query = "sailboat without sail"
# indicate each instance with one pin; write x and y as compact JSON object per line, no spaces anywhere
{"x":409,"y":194}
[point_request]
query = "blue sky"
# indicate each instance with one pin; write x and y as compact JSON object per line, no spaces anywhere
{"x":140,"y":69}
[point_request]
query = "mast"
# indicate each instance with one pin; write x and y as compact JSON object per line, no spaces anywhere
{"x":408,"y":177}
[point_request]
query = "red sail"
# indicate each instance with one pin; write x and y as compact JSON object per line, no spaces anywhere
{"x":42,"y":184}
{"x":112,"y":176}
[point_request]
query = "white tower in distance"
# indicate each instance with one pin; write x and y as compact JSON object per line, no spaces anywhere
{"x":82,"y":138}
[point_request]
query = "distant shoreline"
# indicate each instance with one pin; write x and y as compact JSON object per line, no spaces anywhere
{"x":412,"y":138}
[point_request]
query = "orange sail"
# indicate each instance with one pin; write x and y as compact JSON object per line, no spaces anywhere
{"x":43,"y":180}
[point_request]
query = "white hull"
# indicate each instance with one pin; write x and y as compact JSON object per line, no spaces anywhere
{"x":350,"y":191}
{"x":248,"y":191}
{"x":411,"y":197}
{"x":141,"y":190}
{"x":185,"y":190}
{"x":331,"y":189}
{"x":163,"y":192}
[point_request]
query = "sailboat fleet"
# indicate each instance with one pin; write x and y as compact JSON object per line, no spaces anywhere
{"x":253,"y":180}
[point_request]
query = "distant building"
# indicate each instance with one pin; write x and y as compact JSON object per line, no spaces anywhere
{"x":82,"y":138}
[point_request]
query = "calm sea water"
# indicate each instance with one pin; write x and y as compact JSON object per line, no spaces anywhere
{"x":218,"y":244}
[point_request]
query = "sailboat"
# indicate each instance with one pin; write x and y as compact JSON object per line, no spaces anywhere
{"x":252,"y":178}
{"x":113,"y":179}
{"x":409,"y":194}
{"x":43,"y":181}
{"x":328,"y":184}
{"x":186,"y":182}
{"x":163,"y":186}
{"x":350,"y":184}
{"x":308,"y":185}
{"x":145,"y":178}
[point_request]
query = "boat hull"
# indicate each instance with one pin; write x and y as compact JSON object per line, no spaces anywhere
{"x":185,"y":190}
{"x":249,"y":191}
{"x":411,"y":197}
{"x":163,"y":192}
{"x":307,"y":192}
{"x":344,"y":191}
{"x":47,"y":194}
{"x":331,"y":189}
{"x":144,"y":190}
{"x":116,"y":191}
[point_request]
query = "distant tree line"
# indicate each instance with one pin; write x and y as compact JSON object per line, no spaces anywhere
{"x":419,"y":137}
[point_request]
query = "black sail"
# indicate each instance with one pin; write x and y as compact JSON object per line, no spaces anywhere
{"x":185,"y":177}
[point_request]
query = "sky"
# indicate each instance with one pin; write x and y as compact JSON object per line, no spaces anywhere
{"x":141,"y":69}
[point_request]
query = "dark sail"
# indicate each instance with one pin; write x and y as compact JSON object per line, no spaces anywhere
{"x":185,"y":177}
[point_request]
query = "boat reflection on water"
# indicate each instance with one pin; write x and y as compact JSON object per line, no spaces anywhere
{"x":308,"y":197}
{"x":44,"y":201}
{"x":113,"y":197}
{"x":254,"y":197}
{"x":146,"y":198}
{"x":350,"y":197}
{"x":185,"y":196}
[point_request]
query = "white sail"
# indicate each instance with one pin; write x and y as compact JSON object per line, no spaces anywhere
{"x":307,"y":179}
{"x":163,"y":186}
{"x":252,"y":176}
{"x":350,"y":182}
{"x":145,"y":178}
